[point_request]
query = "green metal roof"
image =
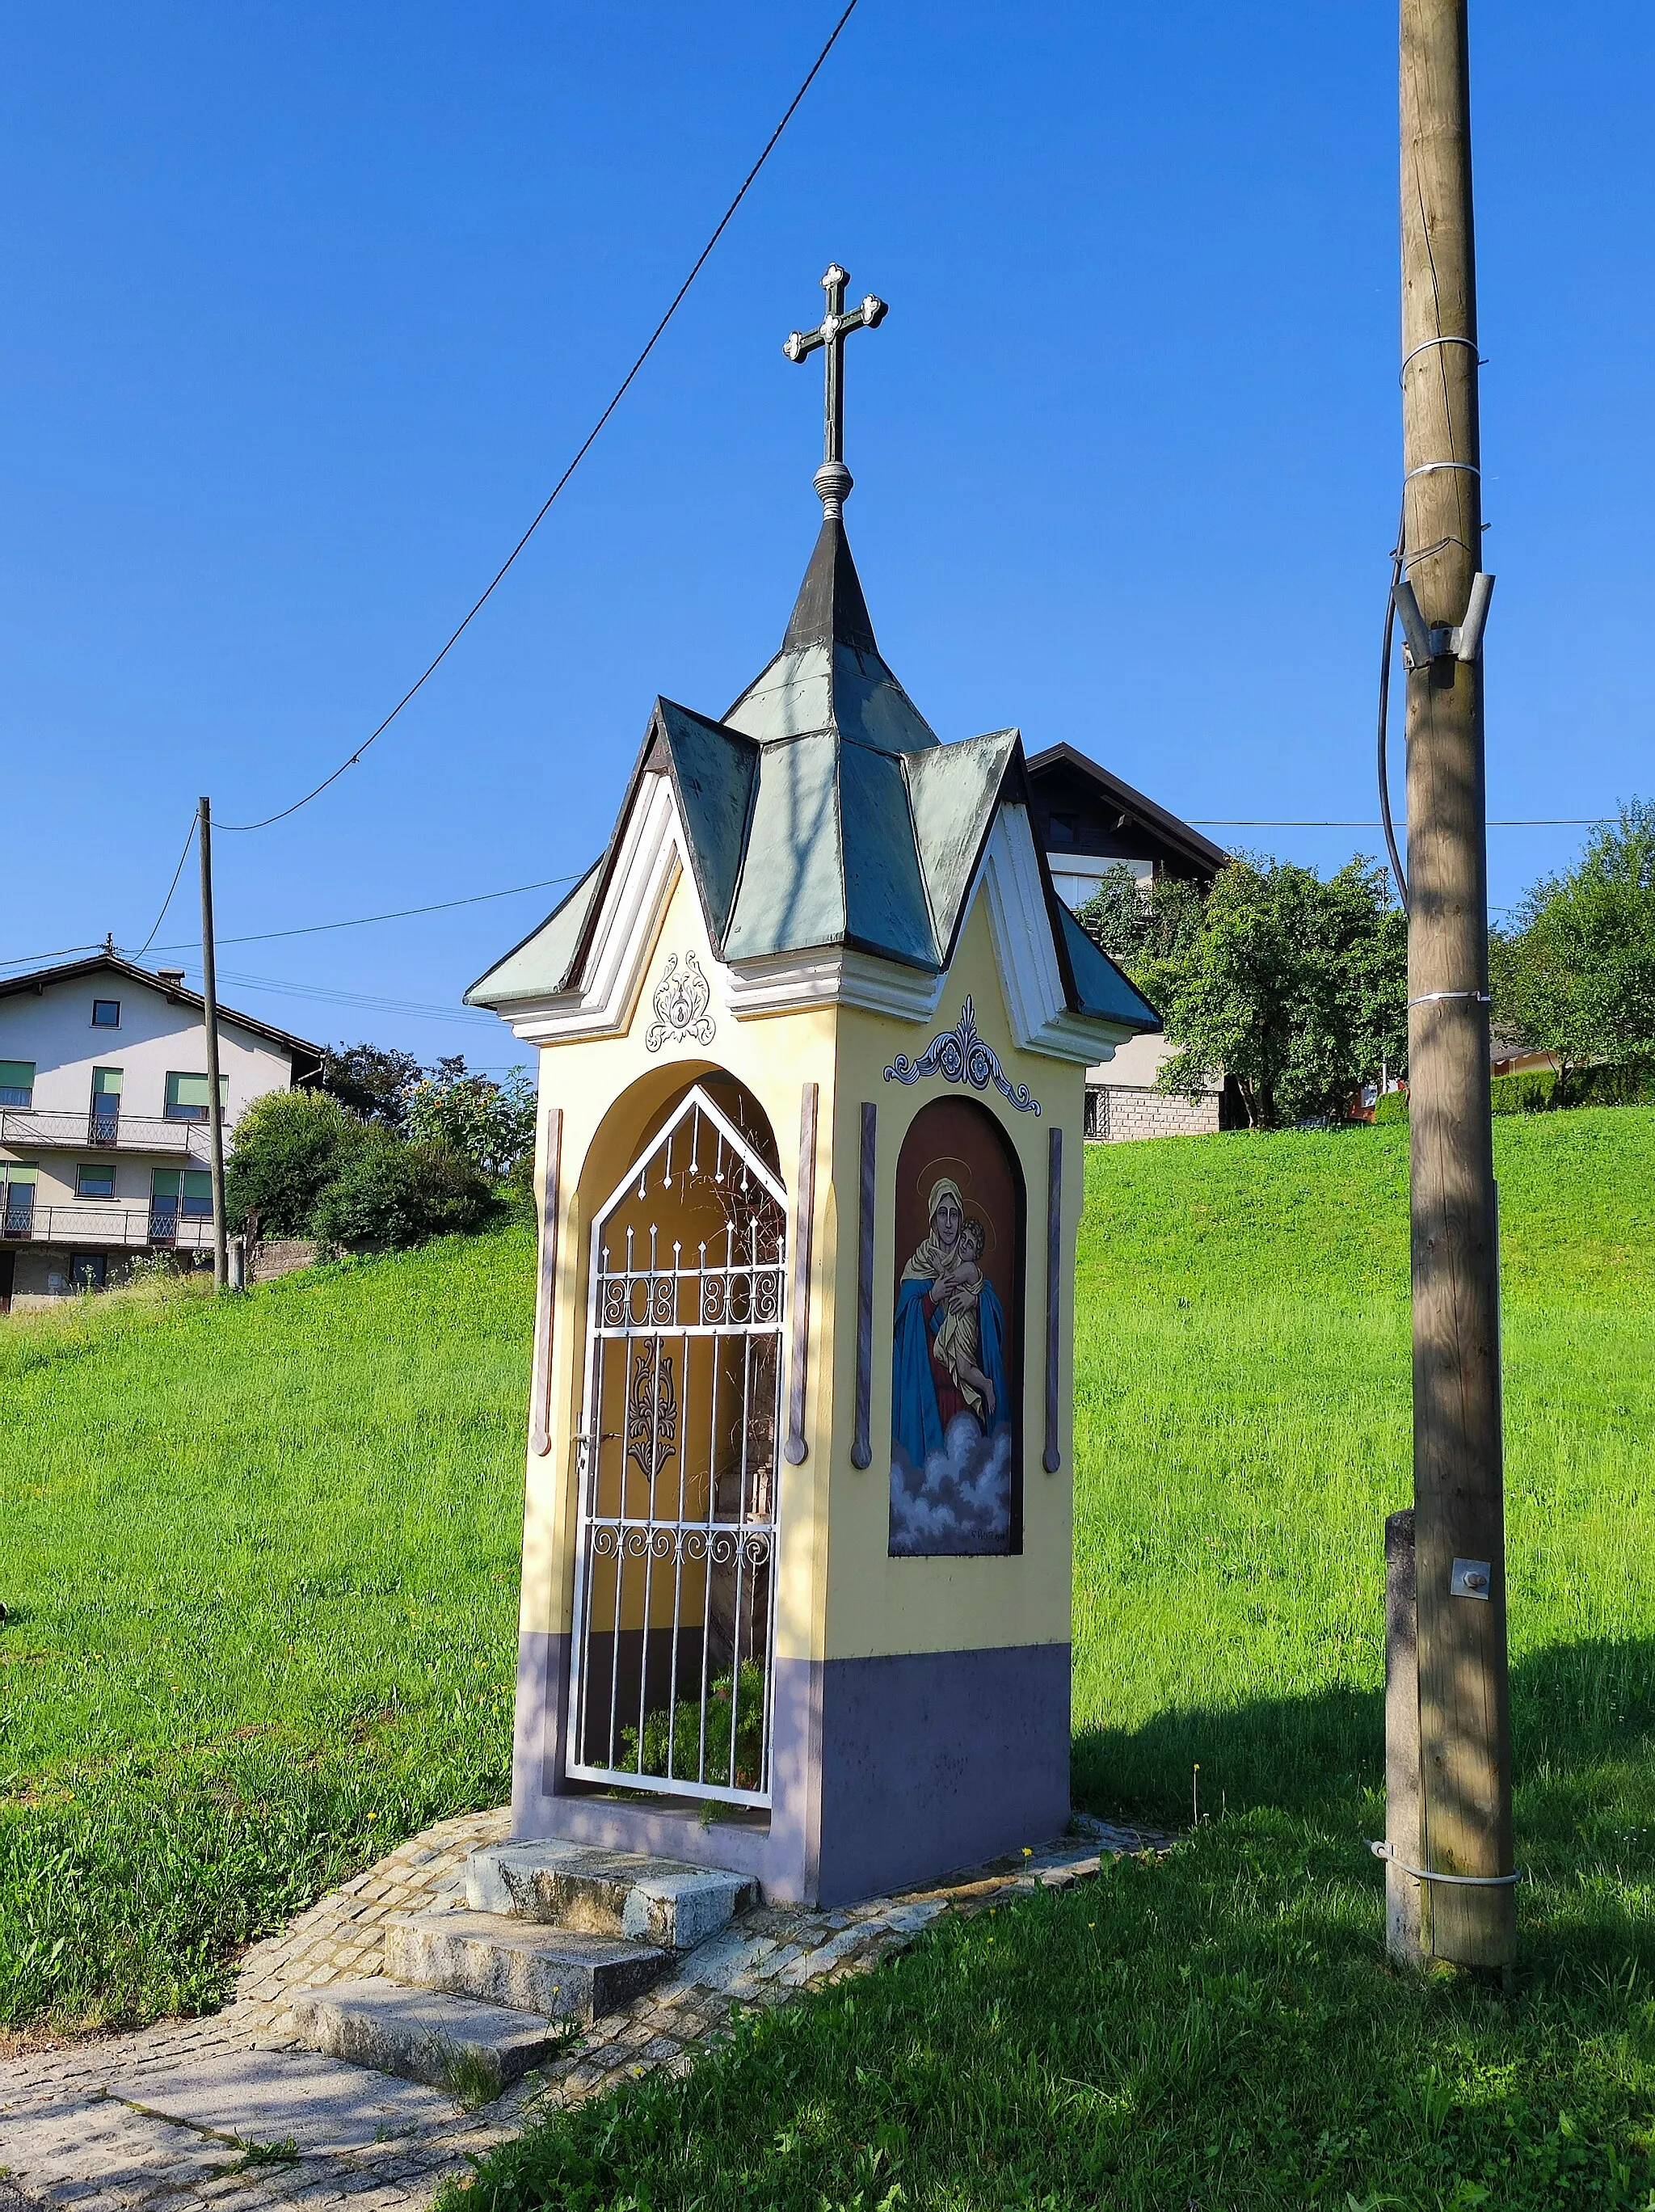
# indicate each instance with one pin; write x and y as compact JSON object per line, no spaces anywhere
{"x":539,"y":967}
{"x":823,"y":811}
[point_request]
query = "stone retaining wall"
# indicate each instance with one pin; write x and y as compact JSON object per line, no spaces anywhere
{"x":280,"y":1256}
{"x":1118,"y":1113}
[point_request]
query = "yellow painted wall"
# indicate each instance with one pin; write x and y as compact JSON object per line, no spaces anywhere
{"x":840,"y":1594}
{"x":876,"y":1604}
{"x":609,"y":1090}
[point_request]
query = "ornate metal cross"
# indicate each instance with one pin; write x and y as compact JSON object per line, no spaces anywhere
{"x":833,"y":479}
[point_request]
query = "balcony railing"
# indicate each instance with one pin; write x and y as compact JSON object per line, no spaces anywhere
{"x":29,"y":1128}
{"x":133,"y":1228}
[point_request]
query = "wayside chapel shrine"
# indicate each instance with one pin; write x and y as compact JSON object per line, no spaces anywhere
{"x":812,"y":1035}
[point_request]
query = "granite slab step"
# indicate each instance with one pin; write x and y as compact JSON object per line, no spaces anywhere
{"x":560,"y":1972}
{"x":650,"y":1900}
{"x":427,"y":2035}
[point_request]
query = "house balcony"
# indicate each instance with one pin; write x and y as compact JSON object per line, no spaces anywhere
{"x":160,"y":1225}
{"x":35,"y":1129}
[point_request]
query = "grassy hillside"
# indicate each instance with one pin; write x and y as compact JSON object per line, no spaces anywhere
{"x":1220,"y":2032}
{"x":263,"y":1556}
{"x":1243,"y":1428}
{"x":261,"y":1564}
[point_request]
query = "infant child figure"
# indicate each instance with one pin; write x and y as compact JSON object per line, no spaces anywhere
{"x":958,"y":1343}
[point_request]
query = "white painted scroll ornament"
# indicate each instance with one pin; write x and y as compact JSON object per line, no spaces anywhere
{"x":680,"y":1002}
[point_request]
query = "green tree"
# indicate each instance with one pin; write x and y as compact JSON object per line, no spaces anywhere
{"x":1295,"y":987}
{"x":1576,"y":977}
{"x":1133,"y":920}
{"x":389,"y":1192}
{"x":372,"y":1080}
{"x":286,"y":1151}
{"x":490,"y":1123}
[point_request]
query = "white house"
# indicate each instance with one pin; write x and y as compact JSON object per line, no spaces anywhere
{"x":103,"y":1118}
{"x":1089,"y":821}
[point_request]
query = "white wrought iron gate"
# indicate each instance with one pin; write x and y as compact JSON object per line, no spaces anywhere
{"x":675,"y":1531}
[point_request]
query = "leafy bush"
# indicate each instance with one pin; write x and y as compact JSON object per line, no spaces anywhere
{"x":388,"y":1192}
{"x":1576,"y":978}
{"x":687,"y":1733}
{"x":286,"y":1150}
{"x":374,"y":1081}
{"x":1535,"y":1091}
{"x":493,"y":1124}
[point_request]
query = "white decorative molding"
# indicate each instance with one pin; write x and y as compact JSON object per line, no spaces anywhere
{"x":647,"y":873}
{"x":1037,"y":1007}
{"x":789,"y":982}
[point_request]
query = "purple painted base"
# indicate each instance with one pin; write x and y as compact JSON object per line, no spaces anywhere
{"x":886,"y":1772}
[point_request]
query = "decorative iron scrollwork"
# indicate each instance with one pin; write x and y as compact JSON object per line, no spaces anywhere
{"x":717,"y":1545}
{"x":960,"y":1055}
{"x":652,"y":1413}
{"x":680,"y":1002}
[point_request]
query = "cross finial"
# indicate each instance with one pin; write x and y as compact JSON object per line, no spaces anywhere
{"x":833,"y":479}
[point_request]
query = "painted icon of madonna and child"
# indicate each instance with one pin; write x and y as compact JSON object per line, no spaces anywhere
{"x":953,"y":1418}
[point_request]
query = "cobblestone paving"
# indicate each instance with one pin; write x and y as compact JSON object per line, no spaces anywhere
{"x":187,"y":2115}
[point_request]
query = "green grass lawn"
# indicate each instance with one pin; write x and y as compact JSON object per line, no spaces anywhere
{"x":261,"y":1564}
{"x":314,"y":1496}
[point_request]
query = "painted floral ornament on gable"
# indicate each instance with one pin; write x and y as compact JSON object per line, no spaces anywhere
{"x":960,"y":1055}
{"x":680,"y":1001}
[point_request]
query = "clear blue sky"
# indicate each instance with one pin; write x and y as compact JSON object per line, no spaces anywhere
{"x":305,"y":308}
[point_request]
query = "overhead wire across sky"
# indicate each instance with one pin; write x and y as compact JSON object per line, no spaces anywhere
{"x":281,"y":814}
{"x":586,"y":446}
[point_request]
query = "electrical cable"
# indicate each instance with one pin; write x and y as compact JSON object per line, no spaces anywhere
{"x":1259,"y":822}
{"x":63,"y":952}
{"x":1397,"y":555}
{"x":591,"y":440}
{"x":167,"y":900}
{"x":399,"y":913}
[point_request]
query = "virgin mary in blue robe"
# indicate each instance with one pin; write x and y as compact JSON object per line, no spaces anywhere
{"x":926,"y":1406}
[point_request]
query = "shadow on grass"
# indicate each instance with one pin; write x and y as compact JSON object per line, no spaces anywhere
{"x":1216,"y":2029}
{"x":1574,"y":1707}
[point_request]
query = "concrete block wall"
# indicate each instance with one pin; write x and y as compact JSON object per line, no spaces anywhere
{"x":279,"y":1256}
{"x":1118,"y":1113}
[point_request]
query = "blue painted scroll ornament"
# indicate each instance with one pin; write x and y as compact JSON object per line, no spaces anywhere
{"x":960,"y":1055}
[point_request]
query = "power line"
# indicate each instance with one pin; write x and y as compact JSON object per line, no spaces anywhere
{"x":1537,"y":821}
{"x":63,"y":952}
{"x":326,"y":995}
{"x":323,"y":994}
{"x":591,"y":440}
{"x":171,"y":888}
{"x":398,"y":914}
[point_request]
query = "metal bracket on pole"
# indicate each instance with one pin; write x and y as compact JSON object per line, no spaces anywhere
{"x":1423,"y":643}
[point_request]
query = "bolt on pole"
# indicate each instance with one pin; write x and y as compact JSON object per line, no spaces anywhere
{"x":1464,"y":1808}
{"x":214,"y":1099}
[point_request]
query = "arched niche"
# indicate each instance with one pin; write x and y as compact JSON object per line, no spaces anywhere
{"x":957,"y":1349}
{"x":677,"y":1458}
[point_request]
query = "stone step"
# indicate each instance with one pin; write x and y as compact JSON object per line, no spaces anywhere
{"x":473,"y":2051}
{"x":650,"y":1900}
{"x":559,"y":1973}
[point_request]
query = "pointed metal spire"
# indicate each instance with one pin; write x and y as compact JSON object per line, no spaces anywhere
{"x":833,"y":480}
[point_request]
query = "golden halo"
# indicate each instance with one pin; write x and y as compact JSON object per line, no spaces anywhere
{"x":959,"y":1170}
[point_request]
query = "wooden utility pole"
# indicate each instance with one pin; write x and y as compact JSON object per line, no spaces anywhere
{"x":1464,"y":1720}
{"x":209,"y":995}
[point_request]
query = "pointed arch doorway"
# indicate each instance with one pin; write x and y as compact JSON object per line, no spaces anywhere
{"x":670,"y":1687}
